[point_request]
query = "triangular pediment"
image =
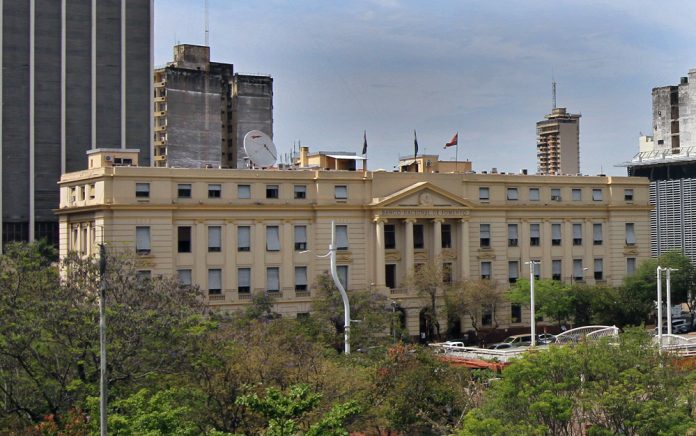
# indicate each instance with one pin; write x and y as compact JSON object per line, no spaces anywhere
{"x":421,"y":194}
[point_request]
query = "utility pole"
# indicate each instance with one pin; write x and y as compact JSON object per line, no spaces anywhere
{"x":102,"y":340}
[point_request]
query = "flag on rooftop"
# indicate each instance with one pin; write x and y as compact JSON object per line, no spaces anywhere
{"x":364,"y":150}
{"x":415,"y":144}
{"x":453,"y":141}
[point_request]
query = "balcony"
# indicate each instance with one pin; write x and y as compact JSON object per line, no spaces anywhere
{"x":161,"y":128}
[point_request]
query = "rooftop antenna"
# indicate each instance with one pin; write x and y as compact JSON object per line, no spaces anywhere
{"x":207,"y":26}
{"x":553,"y":90}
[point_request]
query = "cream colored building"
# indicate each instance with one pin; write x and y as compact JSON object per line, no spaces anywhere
{"x":236,"y":232}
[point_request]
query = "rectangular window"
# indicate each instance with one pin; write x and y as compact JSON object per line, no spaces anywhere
{"x":484,"y":193}
{"x":73,"y":194}
{"x":512,"y":235}
{"x":578,"y":270}
{"x":555,"y":194}
{"x":556,"y":269}
{"x":183,"y":236}
{"x":577,"y":234}
{"x":342,"y":237}
{"x":244,"y":192}
{"x":273,"y":279}
{"x":628,"y":194}
{"x":142,"y":190}
{"x":300,"y":192}
{"x":513,"y":271}
{"x":183,"y":190}
{"x":598,"y":269}
{"x":390,"y":275}
{"x":485,"y":237}
{"x":342,"y":271}
{"x":92,"y":191}
{"x":300,"y":238}
{"x":486,"y":270}
{"x":597,"y":238}
{"x":512,"y":194}
{"x":244,"y":280}
{"x":389,"y":236}
{"x":272,"y":238}
{"x":272,"y":191}
{"x":214,"y":281}
{"x":537,"y":270}
{"x":630,"y":265}
{"x":446,"y":236}
{"x":300,"y":278}
{"x":184,"y":276}
{"x":597,"y":194}
{"x":418,"y":239}
{"x":630,"y":234}
{"x":142,"y":240}
{"x":534,"y":194}
{"x":214,"y":190}
{"x":447,"y":272}
{"x":214,"y":239}
{"x":515,"y":313}
{"x":487,"y":316}
{"x":142,"y":276}
{"x":534,"y":235}
{"x":556,"y":234}
{"x":243,"y":238}
{"x":577,"y":194}
{"x":341,"y":192}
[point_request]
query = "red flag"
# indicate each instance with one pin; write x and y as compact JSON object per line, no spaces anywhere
{"x":454,"y":141}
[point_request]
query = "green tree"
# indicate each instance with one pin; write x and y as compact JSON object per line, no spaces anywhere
{"x":620,"y":387}
{"x":49,"y":342}
{"x":283,"y":411}
{"x":474,"y":298}
{"x":552,"y":298}
{"x":428,"y":280}
{"x":372,"y":311}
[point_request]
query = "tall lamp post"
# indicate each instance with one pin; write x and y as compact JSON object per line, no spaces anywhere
{"x":669,"y":300}
{"x":334,"y":275}
{"x":531,"y":264}
{"x":102,"y":340}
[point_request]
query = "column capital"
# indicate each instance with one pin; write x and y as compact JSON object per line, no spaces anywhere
{"x":259,"y":221}
{"x":464,"y":220}
{"x":410,"y":220}
{"x":379,"y":220}
{"x":438,"y":220}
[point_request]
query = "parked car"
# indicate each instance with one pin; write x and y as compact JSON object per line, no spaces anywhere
{"x":448,"y":344}
{"x":499,"y":346}
{"x":680,"y":325}
{"x":546,"y":338}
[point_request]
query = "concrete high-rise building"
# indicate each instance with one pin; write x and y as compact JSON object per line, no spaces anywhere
{"x":668,"y":159}
{"x":203,"y":110}
{"x":75,"y":76}
{"x":558,"y":143}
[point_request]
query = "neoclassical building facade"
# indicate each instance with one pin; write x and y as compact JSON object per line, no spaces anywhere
{"x":235,"y":232}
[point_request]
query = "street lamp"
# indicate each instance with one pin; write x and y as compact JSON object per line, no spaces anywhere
{"x":531,"y":264}
{"x":659,"y":301}
{"x":102,"y":340}
{"x":334,"y":275}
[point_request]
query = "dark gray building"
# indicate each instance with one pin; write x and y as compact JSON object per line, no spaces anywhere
{"x":76,"y":75}
{"x":203,"y":110}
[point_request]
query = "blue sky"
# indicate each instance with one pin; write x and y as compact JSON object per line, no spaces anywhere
{"x":482,"y":68}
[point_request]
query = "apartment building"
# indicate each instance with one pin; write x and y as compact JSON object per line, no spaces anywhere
{"x":238,"y":232}
{"x":558,"y":143}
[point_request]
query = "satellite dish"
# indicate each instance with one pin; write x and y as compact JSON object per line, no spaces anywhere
{"x":260,"y":149}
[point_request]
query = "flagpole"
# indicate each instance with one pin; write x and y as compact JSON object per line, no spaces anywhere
{"x":456,"y":155}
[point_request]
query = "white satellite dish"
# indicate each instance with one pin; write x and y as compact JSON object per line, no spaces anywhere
{"x":260,"y":149}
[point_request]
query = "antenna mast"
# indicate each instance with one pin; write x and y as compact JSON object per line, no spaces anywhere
{"x":207,"y":27}
{"x":553,"y":91}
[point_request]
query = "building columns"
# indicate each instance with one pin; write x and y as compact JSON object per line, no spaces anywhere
{"x":437,"y":239}
{"x":464,"y":249}
{"x":287,"y":270}
{"x":379,"y":258}
{"x":408,"y":251}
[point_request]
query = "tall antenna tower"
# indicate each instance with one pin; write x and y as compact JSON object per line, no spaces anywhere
{"x":207,"y":26}
{"x":553,"y":91}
